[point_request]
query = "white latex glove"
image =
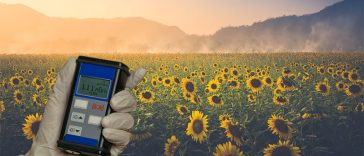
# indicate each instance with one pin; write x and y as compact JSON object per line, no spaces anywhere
{"x":45,"y":143}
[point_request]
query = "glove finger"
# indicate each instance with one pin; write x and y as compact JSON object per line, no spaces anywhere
{"x":135,"y":77}
{"x":116,"y":136}
{"x":116,"y":150}
{"x":118,"y":121}
{"x":63,"y":83}
{"x":123,"y":101}
{"x":56,"y":105}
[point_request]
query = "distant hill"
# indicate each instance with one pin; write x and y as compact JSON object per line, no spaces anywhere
{"x":336,"y":28}
{"x":339,"y":27}
{"x":25,"y":30}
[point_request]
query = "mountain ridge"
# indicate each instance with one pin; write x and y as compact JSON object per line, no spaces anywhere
{"x":336,"y":28}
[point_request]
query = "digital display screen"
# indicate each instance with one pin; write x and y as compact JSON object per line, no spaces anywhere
{"x":94,"y":87}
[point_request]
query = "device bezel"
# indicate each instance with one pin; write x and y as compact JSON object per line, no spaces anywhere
{"x":121,"y":74}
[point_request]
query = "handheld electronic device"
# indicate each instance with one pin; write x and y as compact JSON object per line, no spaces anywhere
{"x":94,"y":83}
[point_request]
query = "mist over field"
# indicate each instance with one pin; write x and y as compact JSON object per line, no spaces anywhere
{"x":336,"y":28}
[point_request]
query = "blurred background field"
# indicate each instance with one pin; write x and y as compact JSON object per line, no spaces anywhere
{"x":189,"y":104}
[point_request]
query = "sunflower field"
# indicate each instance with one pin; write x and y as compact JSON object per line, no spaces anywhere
{"x":271,"y":104}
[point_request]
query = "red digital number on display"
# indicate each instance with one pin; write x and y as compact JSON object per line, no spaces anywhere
{"x":99,"y":107}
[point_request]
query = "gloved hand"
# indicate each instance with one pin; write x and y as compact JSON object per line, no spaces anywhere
{"x":114,"y":124}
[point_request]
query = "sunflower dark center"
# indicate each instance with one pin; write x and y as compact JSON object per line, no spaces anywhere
{"x":322,"y":71}
{"x":213,"y":86}
{"x":216,"y":99}
{"x":226,"y":70}
{"x":234,"y":130}
{"x":268,"y":80}
{"x":281,"y":126}
{"x":256,"y":83}
{"x":354,"y":76}
{"x":281,"y":99}
{"x":197,"y":126}
{"x":233,"y":83}
{"x":281,"y":151}
{"x":160,"y":79}
{"x":154,"y":83}
{"x":323,"y":88}
{"x":168,"y":81}
{"x":176,"y":80}
{"x":190,"y":87}
{"x":183,"y":109}
{"x":16,"y":81}
{"x":287,"y":82}
{"x":147,"y":95}
{"x":235,"y":72}
{"x":355,"y":89}
{"x":35,"y":127}
{"x":19,"y":96}
{"x":287,"y":71}
{"x":38,"y":82}
{"x":341,"y":85}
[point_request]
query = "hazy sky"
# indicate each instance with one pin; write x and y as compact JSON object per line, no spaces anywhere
{"x":192,"y":16}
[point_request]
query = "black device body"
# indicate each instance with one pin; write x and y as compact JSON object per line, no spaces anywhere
{"x":88,"y":102}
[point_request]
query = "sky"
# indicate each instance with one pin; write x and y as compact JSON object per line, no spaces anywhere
{"x":200,"y":17}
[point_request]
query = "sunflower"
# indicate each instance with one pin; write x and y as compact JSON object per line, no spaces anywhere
{"x":176,"y":80}
{"x":197,"y":127}
{"x":154,"y":82}
{"x":188,"y":96}
{"x":227,"y":149}
{"x":267,"y":80}
{"x":306,"y":115}
{"x":36,"y":99}
{"x":167,"y":82}
{"x":36,"y":81}
{"x":31,"y":126}
{"x":279,"y":126}
{"x":277,"y":91}
{"x":182,"y":109}
{"x":224,"y":117}
{"x":30,"y":72}
{"x":354,"y":89}
{"x":254,"y":83}
{"x":286,"y":71}
{"x":232,"y":130}
{"x":195,"y":99}
{"x":323,"y":88}
{"x":340,"y":86}
{"x":215,"y":100}
{"x":176,"y":67}
{"x":353,"y":76}
{"x":14,"y":81}
{"x":342,"y":107}
{"x":234,"y":72}
{"x":139,"y":135}
{"x":285,"y":83}
{"x":147,"y":96}
{"x":171,"y":146}
{"x":321,"y":70}
{"x":358,"y":108}
{"x":280,"y":100}
{"x":213,"y":85}
{"x":282,"y":149}
{"x":2,"y":106}
{"x":345,"y":75}
{"x":5,"y":84}
{"x":188,"y":86}
{"x":18,"y":96}
{"x":251,"y":98}
{"x":233,"y":83}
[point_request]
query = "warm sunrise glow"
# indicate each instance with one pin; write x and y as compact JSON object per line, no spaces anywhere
{"x":192,"y":16}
